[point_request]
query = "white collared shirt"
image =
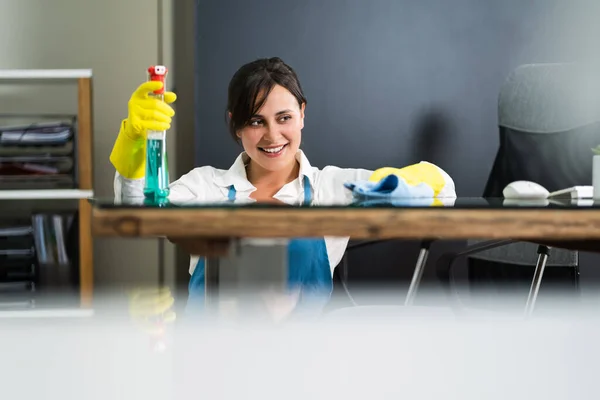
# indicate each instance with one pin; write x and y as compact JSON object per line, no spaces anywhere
{"x":209,"y":184}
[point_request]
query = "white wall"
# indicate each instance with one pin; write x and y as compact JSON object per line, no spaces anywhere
{"x":118,"y":40}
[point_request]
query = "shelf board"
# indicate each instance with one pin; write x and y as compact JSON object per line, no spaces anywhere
{"x":61,"y":194}
{"x":48,"y":313}
{"x":45,"y":73}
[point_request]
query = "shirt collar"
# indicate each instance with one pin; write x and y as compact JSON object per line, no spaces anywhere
{"x":236,"y":174}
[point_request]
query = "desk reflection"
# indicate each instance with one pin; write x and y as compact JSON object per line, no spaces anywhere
{"x":357,"y":202}
{"x":346,"y":202}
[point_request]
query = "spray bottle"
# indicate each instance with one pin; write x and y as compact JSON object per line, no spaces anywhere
{"x":157,"y":172}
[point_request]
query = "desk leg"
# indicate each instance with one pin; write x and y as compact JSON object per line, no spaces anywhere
{"x":211,"y":280}
{"x":418,"y":273}
{"x":537,"y":279}
{"x":251,"y":267}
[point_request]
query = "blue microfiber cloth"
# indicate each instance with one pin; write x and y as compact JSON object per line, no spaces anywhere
{"x":391,"y":186}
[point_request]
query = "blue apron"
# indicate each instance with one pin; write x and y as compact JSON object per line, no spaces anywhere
{"x":308,"y":269}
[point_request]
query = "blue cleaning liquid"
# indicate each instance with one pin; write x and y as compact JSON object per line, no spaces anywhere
{"x":157,"y":170}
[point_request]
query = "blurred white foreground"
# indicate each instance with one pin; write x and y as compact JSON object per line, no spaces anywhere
{"x":355,"y":354}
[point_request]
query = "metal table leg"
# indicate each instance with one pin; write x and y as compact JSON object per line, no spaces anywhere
{"x":543,"y":252}
{"x":211,"y":280}
{"x":251,"y":268}
{"x":418,"y":273}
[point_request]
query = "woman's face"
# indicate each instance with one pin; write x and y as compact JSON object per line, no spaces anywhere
{"x":273,"y":135}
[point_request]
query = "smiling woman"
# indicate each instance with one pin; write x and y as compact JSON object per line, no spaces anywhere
{"x":266,"y":114}
{"x":266,"y":109}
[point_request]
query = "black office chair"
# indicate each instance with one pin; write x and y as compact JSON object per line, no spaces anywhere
{"x":549,"y":119}
{"x":365,"y":263}
{"x":417,"y":275}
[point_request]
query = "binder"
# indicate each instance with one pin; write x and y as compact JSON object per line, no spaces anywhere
{"x":55,"y":268}
{"x":36,"y":260}
{"x":59,"y":234}
{"x":43,"y":241}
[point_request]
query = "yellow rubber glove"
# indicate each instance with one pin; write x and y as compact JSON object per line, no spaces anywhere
{"x":128,"y":155}
{"x":415,"y":174}
{"x":152,"y":309}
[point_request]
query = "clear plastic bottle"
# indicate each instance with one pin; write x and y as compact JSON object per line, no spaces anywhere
{"x":157,"y":167}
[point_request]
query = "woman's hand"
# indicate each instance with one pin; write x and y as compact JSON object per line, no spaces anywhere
{"x":148,"y":113}
{"x":151,"y":309}
{"x":128,"y":155}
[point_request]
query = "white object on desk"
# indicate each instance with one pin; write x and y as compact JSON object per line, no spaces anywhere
{"x":525,"y":190}
{"x":575,"y":192}
{"x":596,"y":176}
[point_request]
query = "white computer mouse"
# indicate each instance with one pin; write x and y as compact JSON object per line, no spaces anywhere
{"x":525,"y":190}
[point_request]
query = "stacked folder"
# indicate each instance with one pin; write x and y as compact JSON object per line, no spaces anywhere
{"x":38,"y":155}
{"x":35,"y":258}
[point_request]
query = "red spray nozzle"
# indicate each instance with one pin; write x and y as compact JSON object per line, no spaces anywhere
{"x":158,"y":73}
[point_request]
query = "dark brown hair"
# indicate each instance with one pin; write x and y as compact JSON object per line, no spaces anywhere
{"x":251,"y":85}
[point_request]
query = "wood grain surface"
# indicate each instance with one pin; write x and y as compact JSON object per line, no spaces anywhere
{"x":85,"y":139}
{"x":86,"y":254}
{"x":357,"y":223}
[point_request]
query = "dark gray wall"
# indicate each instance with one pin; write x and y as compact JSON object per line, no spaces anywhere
{"x":389,"y":82}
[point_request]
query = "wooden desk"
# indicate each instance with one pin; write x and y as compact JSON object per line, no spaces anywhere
{"x":210,"y":230}
{"x":471,"y":220}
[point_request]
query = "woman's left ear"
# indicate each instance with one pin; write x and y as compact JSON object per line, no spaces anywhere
{"x":302,"y":113}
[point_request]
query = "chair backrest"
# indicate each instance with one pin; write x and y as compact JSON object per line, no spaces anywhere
{"x":525,"y":253}
{"x":549,"y":119}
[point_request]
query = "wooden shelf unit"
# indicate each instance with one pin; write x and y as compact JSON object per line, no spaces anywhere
{"x":84,"y":141}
